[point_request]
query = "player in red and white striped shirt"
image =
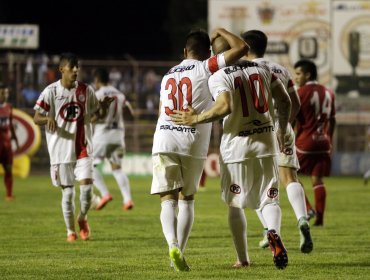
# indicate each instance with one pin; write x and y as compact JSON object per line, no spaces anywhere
{"x":67,"y":108}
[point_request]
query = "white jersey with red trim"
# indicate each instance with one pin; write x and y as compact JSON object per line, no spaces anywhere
{"x":280,"y":71}
{"x":248,"y":131}
{"x":72,"y":110}
{"x":111,"y":129}
{"x":186,"y":84}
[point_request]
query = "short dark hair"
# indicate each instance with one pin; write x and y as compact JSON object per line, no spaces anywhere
{"x":198,"y":42}
{"x":257,"y":41}
{"x":307,"y":66}
{"x":102,"y":75}
{"x":68,"y":58}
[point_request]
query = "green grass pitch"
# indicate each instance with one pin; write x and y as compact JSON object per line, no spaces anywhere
{"x":130,"y":245}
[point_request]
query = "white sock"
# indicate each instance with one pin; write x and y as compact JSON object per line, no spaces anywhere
{"x":99,"y":182}
{"x":169,"y":221}
{"x":85,"y":201}
{"x":296,"y":198}
{"x":68,"y":208}
{"x":123,"y":184}
{"x":260,"y":216}
{"x":238,"y":228}
{"x":272,"y":215}
{"x":367,"y":175}
{"x":185,"y":220}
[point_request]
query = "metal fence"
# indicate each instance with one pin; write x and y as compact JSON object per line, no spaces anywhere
{"x":28,"y":75}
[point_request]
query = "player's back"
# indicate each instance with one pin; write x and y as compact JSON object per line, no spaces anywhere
{"x":114,"y":118}
{"x":183,"y":85}
{"x":317,"y":107}
{"x":280,"y":71}
{"x":249,"y":128}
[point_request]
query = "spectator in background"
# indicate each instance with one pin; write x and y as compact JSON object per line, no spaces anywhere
{"x":314,"y":131}
{"x":7,"y":134}
{"x":28,"y":71}
{"x":42,"y":71}
{"x":68,"y":108}
{"x":109,"y":141}
{"x":29,"y":95}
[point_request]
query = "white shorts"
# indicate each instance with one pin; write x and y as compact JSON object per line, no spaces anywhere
{"x":113,"y":152}
{"x":66,"y":174}
{"x":289,"y":158}
{"x":252,"y":183}
{"x":173,"y":171}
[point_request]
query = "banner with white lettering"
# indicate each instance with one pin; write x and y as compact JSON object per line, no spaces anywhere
{"x":19,"y":36}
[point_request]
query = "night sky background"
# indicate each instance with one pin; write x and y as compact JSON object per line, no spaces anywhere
{"x":146,"y":30}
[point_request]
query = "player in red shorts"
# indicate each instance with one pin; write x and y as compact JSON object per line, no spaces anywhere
{"x":314,"y":130}
{"x":7,"y":134}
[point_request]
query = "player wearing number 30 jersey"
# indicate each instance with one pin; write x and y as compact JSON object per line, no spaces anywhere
{"x":179,"y":151}
{"x":244,"y":96}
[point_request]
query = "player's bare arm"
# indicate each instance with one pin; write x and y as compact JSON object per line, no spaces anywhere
{"x":13,"y":135}
{"x":283,"y":105}
{"x":102,"y":111}
{"x":131,"y":109}
{"x":41,"y":119}
{"x":238,"y":48}
{"x":296,"y":105}
{"x":221,"y":108}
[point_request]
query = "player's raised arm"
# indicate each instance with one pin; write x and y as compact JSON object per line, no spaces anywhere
{"x":238,"y":48}
{"x":283,"y":105}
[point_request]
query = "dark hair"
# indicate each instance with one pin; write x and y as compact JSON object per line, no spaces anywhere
{"x":307,"y":66}
{"x":68,"y":58}
{"x":257,"y":41}
{"x":102,"y":75}
{"x":198,"y":42}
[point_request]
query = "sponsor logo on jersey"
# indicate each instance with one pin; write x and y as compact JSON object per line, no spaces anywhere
{"x":234,"y":188}
{"x":180,"y":69}
{"x":178,"y":128}
{"x":272,"y":192}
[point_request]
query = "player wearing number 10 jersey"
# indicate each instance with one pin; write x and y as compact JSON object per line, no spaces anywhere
{"x":315,"y":128}
{"x":244,"y":96}
{"x":179,"y":151}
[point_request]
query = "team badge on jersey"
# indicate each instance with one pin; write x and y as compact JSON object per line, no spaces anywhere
{"x":81,"y":98}
{"x":272,"y":192}
{"x":234,"y":188}
{"x":71,"y":112}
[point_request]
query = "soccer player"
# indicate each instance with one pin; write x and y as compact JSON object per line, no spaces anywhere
{"x":109,"y":140}
{"x":7,"y":134}
{"x":67,"y":108}
{"x":314,"y":131}
{"x":179,"y":152}
{"x":287,"y":160}
{"x":244,"y":96}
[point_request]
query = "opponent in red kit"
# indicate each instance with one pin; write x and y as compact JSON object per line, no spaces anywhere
{"x":7,"y":133}
{"x":314,"y":130}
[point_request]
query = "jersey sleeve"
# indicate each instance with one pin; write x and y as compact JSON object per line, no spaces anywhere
{"x":218,"y":84}
{"x":43,"y":102}
{"x":216,"y":62}
{"x":275,"y":81}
